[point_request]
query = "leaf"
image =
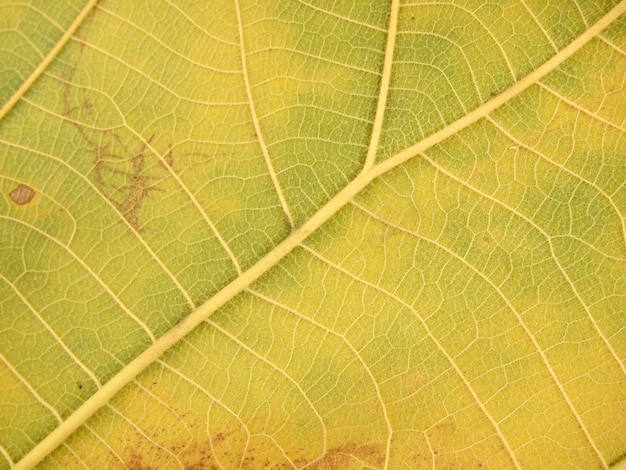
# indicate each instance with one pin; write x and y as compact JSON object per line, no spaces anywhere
{"x":316,"y":234}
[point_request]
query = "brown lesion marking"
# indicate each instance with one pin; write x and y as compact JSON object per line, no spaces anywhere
{"x":198,"y":455}
{"x":22,"y":194}
{"x":119,"y":170}
{"x":168,"y":157}
{"x":617,"y":460}
{"x":138,"y":187}
{"x":135,"y":462}
{"x":341,"y":457}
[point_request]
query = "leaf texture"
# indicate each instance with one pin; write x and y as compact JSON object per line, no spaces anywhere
{"x":312,"y":234}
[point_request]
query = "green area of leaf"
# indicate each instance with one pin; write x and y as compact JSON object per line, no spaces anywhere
{"x":312,"y":234}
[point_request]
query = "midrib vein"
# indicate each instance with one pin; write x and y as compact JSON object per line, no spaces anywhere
{"x":43,"y":65}
{"x":148,"y":357}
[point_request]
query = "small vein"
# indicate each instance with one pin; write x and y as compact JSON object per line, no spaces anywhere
{"x":116,"y":210}
{"x":591,"y":247}
{"x":475,"y":17}
{"x":433,"y":338}
{"x":54,"y":52}
{"x":571,"y":173}
{"x":165,"y":406}
{"x":614,"y":46}
{"x":344,"y":340}
{"x":52,"y":333}
{"x":445,"y":74}
{"x":192,"y":21}
{"x":27,"y":39}
{"x":215,"y":400}
{"x":337,"y":90}
{"x":137,"y":428}
{"x":91,"y":272}
{"x":580,"y":11}
{"x":280,"y":449}
{"x":165,"y":46}
{"x":31,"y":389}
{"x":169,"y":169}
{"x":576,"y":294}
{"x":342,"y":18}
{"x":358,"y":145}
{"x":6,"y":455}
{"x":318,"y":108}
{"x":430,"y":448}
{"x":548,"y":239}
{"x":146,"y":76}
{"x":105,"y":444}
{"x":256,"y":123}
{"x":584,"y":110}
{"x":444,"y":77}
{"x":320,"y":58}
{"x":76,"y":456}
{"x":497,"y":101}
{"x":44,"y":193}
{"x":37,"y":11}
{"x":536,"y":20}
{"x":273,"y":366}
{"x":212,"y":448}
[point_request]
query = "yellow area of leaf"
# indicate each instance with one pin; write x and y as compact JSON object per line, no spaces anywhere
{"x":312,"y":234}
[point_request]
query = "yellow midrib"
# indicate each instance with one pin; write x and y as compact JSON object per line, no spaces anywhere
{"x":370,"y":172}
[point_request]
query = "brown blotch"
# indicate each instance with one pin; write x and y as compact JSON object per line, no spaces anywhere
{"x":23,"y":194}
{"x":344,"y":456}
{"x":120,"y":164}
{"x":136,"y":462}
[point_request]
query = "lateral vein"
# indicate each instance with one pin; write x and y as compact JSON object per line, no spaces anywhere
{"x":54,"y":52}
{"x":384,"y":87}
{"x":257,"y":124}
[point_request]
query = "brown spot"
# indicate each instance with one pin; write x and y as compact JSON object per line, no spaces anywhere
{"x":135,"y":463}
{"x":23,"y":194}
{"x":617,"y":460}
{"x":168,"y":157}
{"x":346,"y":455}
{"x":120,"y":167}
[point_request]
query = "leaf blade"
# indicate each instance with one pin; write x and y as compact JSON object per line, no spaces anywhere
{"x":360,"y":239}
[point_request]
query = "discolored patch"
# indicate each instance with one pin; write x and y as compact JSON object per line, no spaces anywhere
{"x":346,"y":455}
{"x":136,"y":463}
{"x":615,"y":463}
{"x":121,"y":166}
{"x":22,"y":194}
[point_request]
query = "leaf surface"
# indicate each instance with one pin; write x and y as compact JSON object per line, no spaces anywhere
{"x":289,"y":234}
